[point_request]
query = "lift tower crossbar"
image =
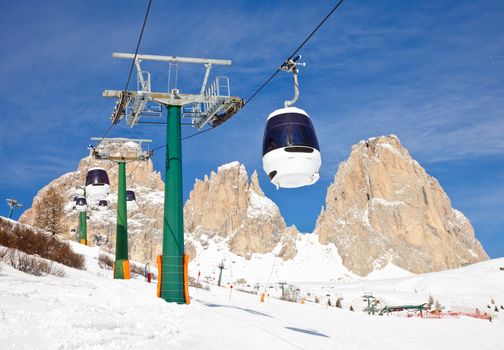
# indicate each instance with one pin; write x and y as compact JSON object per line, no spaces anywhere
{"x":212,"y":105}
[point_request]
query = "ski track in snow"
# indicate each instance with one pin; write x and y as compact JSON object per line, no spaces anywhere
{"x":90,"y":310}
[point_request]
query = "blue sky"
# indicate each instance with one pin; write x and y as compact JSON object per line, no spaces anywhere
{"x":431,"y":72}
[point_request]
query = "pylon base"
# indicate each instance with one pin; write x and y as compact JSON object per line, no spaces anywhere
{"x":122,"y":269}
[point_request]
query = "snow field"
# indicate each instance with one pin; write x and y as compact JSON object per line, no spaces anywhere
{"x":90,"y":310}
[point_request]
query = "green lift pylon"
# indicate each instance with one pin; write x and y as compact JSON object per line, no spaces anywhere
{"x":121,"y":264}
{"x":213,"y":105}
{"x":83,"y":222}
{"x":108,"y":150}
{"x":83,"y":227}
{"x":172,"y":272}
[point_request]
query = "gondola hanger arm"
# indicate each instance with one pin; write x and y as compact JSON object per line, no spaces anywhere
{"x":291,"y":66}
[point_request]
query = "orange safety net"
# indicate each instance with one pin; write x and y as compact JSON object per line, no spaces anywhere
{"x":186,"y":279}
{"x":160,"y":274}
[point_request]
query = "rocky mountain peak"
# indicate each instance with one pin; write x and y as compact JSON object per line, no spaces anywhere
{"x":254,"y":184}
{"x":383,"y":207}
{"x":229,"y":206}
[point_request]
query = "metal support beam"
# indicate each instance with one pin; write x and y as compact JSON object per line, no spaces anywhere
{"x":205,"y":79}
{"x":139,"y":74}
{"x":102,"y":152}
{"x":159,"y":58}
{"x":165,"y":98}
{"x":120,"y":139}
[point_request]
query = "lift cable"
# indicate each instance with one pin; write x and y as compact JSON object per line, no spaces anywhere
{"x":132,"y":65}
{"x":185,"y":138}
{"x":315,"y":30}
{"x":295,"y":51}
{"x":138,"y":46}
{"x":261,"y":87}
{"x":135,"y":168}
{"x":276,"y":71}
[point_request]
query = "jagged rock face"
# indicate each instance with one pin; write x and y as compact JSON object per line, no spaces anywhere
{"x":383,"y":207}
{"x":145,"y":224}
{"x":228,"y":206}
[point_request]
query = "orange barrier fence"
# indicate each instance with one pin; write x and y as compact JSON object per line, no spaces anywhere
{"x":439,"y":314}
{"x":483,"y":316}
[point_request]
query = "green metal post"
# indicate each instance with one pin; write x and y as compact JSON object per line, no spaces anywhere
{"x":83,"y":228}
{"x":121,"y":265}
{"x":10,"y":212}
{"x":172,"y":272}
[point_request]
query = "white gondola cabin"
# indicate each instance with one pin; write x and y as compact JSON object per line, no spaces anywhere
{"x":291,"y":153}
{"x":81,"y":204}
{"x":131,"y":203}
{"x":97,"y":185}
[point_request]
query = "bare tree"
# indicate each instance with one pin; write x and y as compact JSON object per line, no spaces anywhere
{"x":49,"y":211}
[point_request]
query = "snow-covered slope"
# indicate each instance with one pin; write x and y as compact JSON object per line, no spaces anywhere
{"x":90,"y":310}
{"x":313,"y":262}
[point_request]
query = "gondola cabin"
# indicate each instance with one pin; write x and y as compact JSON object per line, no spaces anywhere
{"x":81,"y":204}
{"x":97,"y":185}
{"x":131,"y":203}
{"x":291,"y":153}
